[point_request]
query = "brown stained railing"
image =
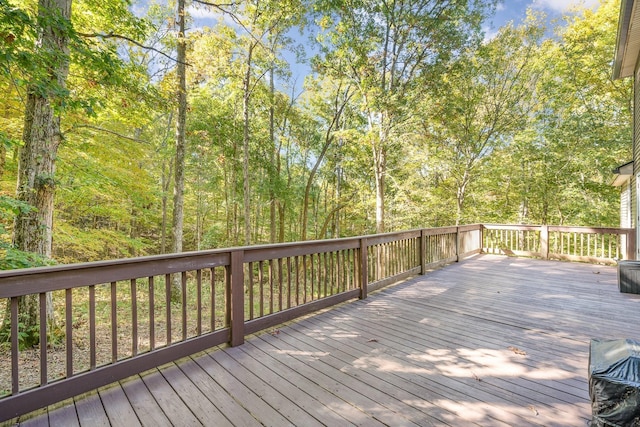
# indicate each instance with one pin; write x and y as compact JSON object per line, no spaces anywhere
{"x":583,"y":244}
{"x":118,"y":318}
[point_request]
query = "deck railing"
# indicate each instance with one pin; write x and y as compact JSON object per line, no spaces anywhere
{"x":583,"y":244}
{"x":114,"y":319}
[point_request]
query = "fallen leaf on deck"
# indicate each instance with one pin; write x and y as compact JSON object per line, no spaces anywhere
{"x":516,"y":350}
{"x":533,"y":409}
{"x":595,"y":272}
{"x":275,"y":332}
{"x":373,"y":340}
{"x":475,"y":377}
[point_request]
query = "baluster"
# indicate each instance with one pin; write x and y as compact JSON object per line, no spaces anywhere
{"x":43,"y":338}
{"x":15,"y":377}
{"x":296,"y":261}
{"x":261,"y":281}
{"x":213,"y":296}
{"x":134,"y":317}
{"x":288,"y":282}
{"x":167,"y":290}
{"x":68,"y":325}
{"x":92,"y":327}
{"x":199,"y":302}
{"x":280,"y":284}
{"x":183,"y":283}
{"x":114,"y":326}
{"x":304,"y":272}
{"x":152,"y":314}
{"x":270,"y":273}
{"x":312,"y":276}
{"x":251,"y":297}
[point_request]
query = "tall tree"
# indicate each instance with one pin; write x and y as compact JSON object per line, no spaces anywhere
{"x":42,"y":134}
{"x":480,"y":103}
{"x":41,"y":138}
{"x":559,"y":166}
{"x":50,"y":45}
{"x":331,"y":112}
{"x":391,"y":46}
{"x":181,"y":119}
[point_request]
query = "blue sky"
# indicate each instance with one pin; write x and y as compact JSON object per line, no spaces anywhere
{"x":515,"y":10}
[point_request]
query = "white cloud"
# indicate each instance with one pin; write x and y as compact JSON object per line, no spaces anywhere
{"x":500,"y":7}
{"x":563,"y":5}
{"x":489,"y":33}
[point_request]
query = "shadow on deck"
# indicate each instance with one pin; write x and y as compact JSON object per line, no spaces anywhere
{"x":491,"y":341}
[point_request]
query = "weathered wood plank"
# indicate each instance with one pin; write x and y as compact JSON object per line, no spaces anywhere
{"x":90,"y":410}
{"x":249,"y":400}
{"x":33,"y":420}
{"x":117,"y":406}
{"x":234,"y":359}
{"x":198,"y":403}
{"x":170,"y":401}
{"x":145,"y":406}
{"x":233,"y":411}
{"x":64,"y":415}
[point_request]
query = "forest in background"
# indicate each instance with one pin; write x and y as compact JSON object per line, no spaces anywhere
{"x":172,"y":136}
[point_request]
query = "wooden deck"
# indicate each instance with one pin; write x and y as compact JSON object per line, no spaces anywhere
{"x":491,"y":341}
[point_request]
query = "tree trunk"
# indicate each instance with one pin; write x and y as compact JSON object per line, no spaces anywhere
{"x":36,"y":164}
{"x":245,"y":145}
{"x":341,"y":98}
{"x":165,"y":181}
{"x":307,"y":188}
{"x":177,"y":224}
{"x":178,"y":189}
{"x":273,"y":201}
{"x":380,"y":166}
{"x":461,"y":193}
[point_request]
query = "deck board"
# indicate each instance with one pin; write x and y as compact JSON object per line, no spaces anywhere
{"x":491,"y":341}
{"x":118,"y":407}
{"x":90,"y":410}
{"x":143,"y":403}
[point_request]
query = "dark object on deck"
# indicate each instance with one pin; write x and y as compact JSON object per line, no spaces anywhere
{"x":629,"y":277}
{"x":614,"y":382}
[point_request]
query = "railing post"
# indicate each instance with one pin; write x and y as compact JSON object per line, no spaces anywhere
{"x":236,"y":296}
{"x":457,"y":244}
{"x":631,"y":245}
{"x":544,"y":241}
{"x":364,"y":273}
{"x":423,"y":251}
{"x":481,"y":235}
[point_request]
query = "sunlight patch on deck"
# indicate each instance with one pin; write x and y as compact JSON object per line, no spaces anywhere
{"x":481,"y":363}
{"x":386,"y":364}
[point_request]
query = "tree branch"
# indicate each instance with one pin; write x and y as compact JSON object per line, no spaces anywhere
{"x":232,"y":15}
{"x":130,"y":40}
{"x":119,"y":135}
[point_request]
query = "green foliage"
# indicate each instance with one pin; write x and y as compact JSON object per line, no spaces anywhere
{"x":455,"y":126}
{"x":27,"y":336}
{"x":10,"y":257}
